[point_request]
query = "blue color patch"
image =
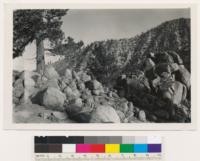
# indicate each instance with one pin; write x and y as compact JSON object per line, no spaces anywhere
{"x":140,"y":148}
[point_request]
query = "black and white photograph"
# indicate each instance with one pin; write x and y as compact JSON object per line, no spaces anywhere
{"x":101,"y":66}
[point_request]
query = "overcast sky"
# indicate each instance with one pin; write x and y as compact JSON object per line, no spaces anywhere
{"x":91,"y":25}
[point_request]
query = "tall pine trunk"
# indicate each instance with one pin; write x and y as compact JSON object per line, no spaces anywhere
{"x":40,"y":62}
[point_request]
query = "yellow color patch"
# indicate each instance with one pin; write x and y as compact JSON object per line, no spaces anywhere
{"x":112,"y":148}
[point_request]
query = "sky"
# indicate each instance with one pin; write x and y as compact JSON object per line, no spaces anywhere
{"x":95,"y":25}
{"x":92,"y":25}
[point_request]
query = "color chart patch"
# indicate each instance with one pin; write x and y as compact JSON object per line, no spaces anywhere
{"x":99,"y":146}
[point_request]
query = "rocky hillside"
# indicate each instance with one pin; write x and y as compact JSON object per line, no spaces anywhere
{"x":69,"y":98}
{"x":160,"y":94}
{"x":141,"y":79}
{"x":129,"y":54}
{"x":171,"y":35}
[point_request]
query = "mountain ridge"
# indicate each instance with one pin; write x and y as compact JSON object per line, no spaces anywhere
{"x":128,"y":54}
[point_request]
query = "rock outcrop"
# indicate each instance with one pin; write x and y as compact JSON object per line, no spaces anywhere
{"x":54,"y":99}
{"x":161,"y":89}
{"x":104,"y":114}
{"x":50,"y":73}
{"x":83,"y":99}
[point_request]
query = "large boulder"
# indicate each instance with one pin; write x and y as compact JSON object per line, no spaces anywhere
{"x":78,"y":113}
{"x":96,"y":85}
{"x":68,"y":74}
{"x":29,"y":82}
{"x":77,"y":94}
{"x":162,"y":68}
{"x":130,"y":107}
{"x":85,"y":94}
{"x":18,"y":88}
{"x":174,"y":67}
{"x":155,"y":83}
{"x":93,"y":85}
{"x":104,"y":114}
{"x":98,"y":92}
{"x":50,"y":72}
{"x":163,"y":57}
{"x":77,"y":102}
{"x":175,"y":92}
{"x":123,"y":107}
{"x":72,"y":85}
{"x":31,"y":78}
{"x":60,"y":115}
{"x":84,"y":77}
{"x":29,"y":93}
{"x":65,"y":81}
{"x":71,"y":94}
{"x":54,"y":99}
{"x":52,"y":83}
{"x":33,"y":113}
{"x":149,"y":64}
{"x":177,"y":59}
{"x":75,"y":75}
{"x":142,"y":116}
{"x":62,"y":84}
{"x":68,"y":91}
{"x":37,"y":93}
{"x":80,"y":86}
{"x":183,"y":75}
{"x":121,"y":115}
{"x":89,"y":101}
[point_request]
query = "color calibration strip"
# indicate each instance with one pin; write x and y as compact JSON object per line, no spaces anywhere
{"x":98,"y":144}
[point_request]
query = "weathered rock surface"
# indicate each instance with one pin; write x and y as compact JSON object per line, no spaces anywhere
{"x":52,"y":83}
{"x":50,"y":72}
{"x":54,"y":99}
{"x":84,"y":77}
{"x":183,"y":76}
{"x":164,"y":86}
{"x":177,"y":59}
{"x":78,"y":113}
{"x":104,"y":114}
{"x":142,"y":116}
{"x":149,"y":64}
{"x":68,"y":74}
{"x":93,"y":85}
{"x":33,"y":113}
{"x":174,"y":92}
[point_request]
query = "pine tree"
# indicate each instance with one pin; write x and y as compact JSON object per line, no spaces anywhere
{"x":38,"y":25}
{"x":103,"y":64}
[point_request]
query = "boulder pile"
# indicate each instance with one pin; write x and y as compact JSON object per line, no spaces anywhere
{"x":72,"y":97}
{"x":161,"y":88}
{"x":159,"y":92}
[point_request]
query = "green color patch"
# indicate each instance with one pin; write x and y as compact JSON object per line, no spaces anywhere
{"x":126,"y":148}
